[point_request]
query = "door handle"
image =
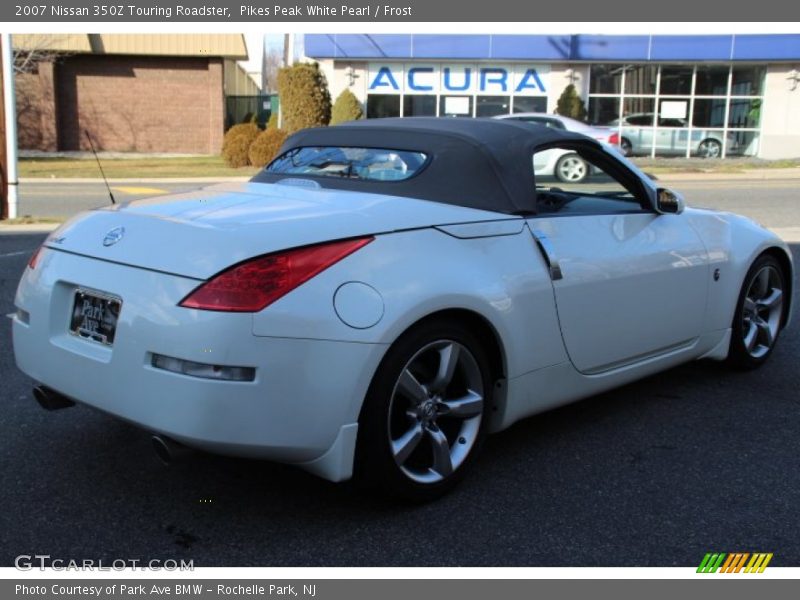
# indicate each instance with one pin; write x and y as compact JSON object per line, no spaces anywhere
{"x":549,"y":253}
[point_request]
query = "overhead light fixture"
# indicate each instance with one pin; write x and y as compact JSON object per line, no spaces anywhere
{"x":793,"y":79}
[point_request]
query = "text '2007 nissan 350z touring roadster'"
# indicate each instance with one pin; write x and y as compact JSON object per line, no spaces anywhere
{"x":386,"y":293}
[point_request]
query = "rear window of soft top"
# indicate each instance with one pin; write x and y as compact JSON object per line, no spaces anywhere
{"x":369,"y":164}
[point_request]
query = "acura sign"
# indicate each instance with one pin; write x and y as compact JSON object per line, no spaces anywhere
{"x":435,"y":78}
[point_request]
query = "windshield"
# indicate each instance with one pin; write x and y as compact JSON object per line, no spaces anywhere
{"x":375,"y":164}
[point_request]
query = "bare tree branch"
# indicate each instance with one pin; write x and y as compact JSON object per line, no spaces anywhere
{"x":44,"y":49}
{"x":272,"y":62}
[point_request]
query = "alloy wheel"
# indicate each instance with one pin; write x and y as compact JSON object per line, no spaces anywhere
{"x":572,"y":168}
{"x":435,"y":411}
{"x":710,"y":149}
{"x":762,"y":311}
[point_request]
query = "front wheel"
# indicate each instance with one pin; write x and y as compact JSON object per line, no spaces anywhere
{"x":424,"y":418}
{"x":759,"y":314}
{"x":571,"y":168}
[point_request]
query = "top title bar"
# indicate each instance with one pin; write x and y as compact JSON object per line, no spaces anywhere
{"x":272,"y":11}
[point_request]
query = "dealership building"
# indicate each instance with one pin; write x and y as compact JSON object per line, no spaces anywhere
{"x":129,"y":92}
{"x":668,"y":95}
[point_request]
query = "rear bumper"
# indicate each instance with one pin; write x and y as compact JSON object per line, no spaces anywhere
{"x":305,"y":392}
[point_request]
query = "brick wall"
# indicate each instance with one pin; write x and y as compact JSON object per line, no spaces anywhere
{"x":132,"y":104}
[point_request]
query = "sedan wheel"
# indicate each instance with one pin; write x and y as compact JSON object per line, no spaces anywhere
{"x":759,"y":314}
{"x":710,"y":149}
{"x":571,"y":168}
{"x":424,"y":418}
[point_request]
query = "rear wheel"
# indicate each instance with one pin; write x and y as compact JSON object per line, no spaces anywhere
{"x":710,"y":148}
{"x":626,"y":147}
{"x":571,"y":168}
{"x":759,"y":314}
{"x":424,"y":418}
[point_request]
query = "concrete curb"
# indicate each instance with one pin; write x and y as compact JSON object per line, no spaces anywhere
{"x":29,"y":228}
{"x":746,"y":175}
{"x":68,"y":180}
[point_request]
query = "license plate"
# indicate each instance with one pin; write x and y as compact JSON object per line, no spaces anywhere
{"x":94,"y":316}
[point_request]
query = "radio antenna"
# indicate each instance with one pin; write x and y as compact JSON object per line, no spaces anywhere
{"x":99,"y":166}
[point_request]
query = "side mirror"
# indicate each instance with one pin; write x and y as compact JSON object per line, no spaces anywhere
{"x":669,"y":202}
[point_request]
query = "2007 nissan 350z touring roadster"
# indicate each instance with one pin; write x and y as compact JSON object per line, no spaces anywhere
{"x":385,"y":293}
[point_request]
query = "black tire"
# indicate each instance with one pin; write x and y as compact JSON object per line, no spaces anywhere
{"x":387,"y":406}
{"x":579,"y":173}
{"x":626,"y":147}
{"x":740,"y":355}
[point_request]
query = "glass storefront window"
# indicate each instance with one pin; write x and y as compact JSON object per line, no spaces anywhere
{"x":676,"y":80}
{"x":455,"y":106}
{"x":383,"y":105}
{"x":711,"y":81}
{"x":530,"y":104}
{"x":743,"y":143}
{"x":747,"y":81}
{"x":640,"y":79}
{"x":707,"y":143}
{"x":419,"y":106}
{"x":744,"y":113}
{"x":639,"y":111}
{"x":605,"y":79}
{"x":671,"y":141}
{"x":708,"y":112}
{"x":603,"y":111}
{"x":714,"y":116}
{"x":489,"y":106}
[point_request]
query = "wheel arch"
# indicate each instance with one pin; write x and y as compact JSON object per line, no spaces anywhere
{"x":785,"y":261}
{"x":485,"y":331}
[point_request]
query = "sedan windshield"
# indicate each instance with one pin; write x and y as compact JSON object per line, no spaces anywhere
{"x":376,"y":164}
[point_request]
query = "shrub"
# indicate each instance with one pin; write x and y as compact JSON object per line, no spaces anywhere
{"x":305,"y":100}
{"x":346,"y":108}
{"x":570,"y":104}
{"x":236,"y":144}
{"x":265,"y":147}
{"x":273,"y":121}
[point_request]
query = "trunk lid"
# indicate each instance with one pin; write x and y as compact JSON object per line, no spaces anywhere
{"x":197,"y":234}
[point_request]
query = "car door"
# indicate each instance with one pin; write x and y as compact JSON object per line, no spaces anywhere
{"x":630,"y":284}
{"x":672,"y":137}
{"x":638,"y":129}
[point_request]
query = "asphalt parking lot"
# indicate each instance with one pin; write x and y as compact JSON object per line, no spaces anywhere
{"x":658,"y":473}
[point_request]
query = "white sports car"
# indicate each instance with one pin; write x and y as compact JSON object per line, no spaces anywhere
{"x":387,"y":292}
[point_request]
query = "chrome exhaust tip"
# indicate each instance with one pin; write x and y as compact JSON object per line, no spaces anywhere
{"x":50,"y":399}
{"x":167,"y":450}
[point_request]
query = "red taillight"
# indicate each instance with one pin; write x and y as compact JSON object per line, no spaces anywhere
{"x":613,"y":139}
{"x":34,"y":257}
{"x":255,"y":284}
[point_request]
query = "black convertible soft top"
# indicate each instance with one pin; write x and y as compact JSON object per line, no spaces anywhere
{"x":477,"y":163}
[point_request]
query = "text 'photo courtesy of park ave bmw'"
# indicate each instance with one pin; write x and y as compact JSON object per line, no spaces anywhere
{"x":425,"y":262}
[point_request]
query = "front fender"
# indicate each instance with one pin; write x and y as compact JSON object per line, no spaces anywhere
{"x":733,"y":243}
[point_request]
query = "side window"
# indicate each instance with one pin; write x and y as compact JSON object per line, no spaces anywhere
{"x":571,"y":183}
{"x":640,"y":120}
